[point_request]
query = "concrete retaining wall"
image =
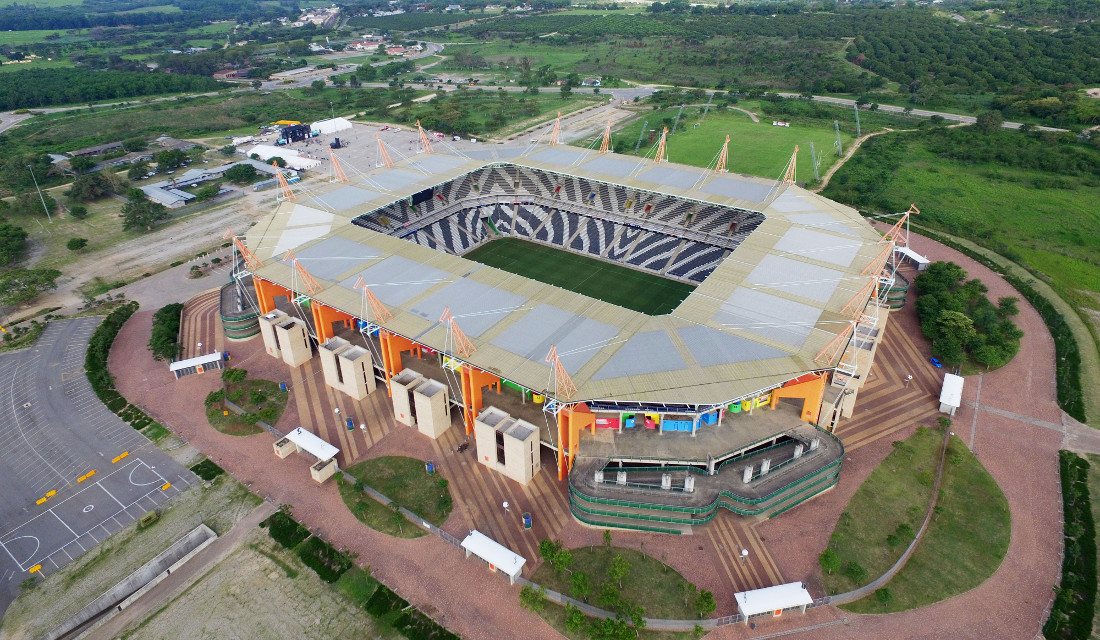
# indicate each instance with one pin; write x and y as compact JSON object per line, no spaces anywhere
{"x":137,"y":583}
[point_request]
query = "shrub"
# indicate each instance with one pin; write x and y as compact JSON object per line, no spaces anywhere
{"x":207,"y":470}
{"x":76,"y":244}
{"x":285,"y":530}
{"x":233,"y":376}
{"x":1074,"y":601}
{"x":856,"y":572}
{"x":164,"y":341}
{"x":214,"y":397}
{"x":323,"y":558}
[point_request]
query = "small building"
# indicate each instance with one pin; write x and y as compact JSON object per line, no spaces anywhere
{"x":499,"y":557}
{"x":395,"y":51}
{"x":773,"y":601}
{"x":590,"y":82}
{"x":951,"y":394}
{"x":347,"y":368}
{"x":291,"y":73}
{"x":453,"y":7}
{"x":507,"y":445}
{"x":99,"y":149}
{"x":286,"y":338}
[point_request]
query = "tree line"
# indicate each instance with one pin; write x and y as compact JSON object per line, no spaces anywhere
{"x":31,"y":88}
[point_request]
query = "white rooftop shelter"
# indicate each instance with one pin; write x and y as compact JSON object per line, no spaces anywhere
{"x":773,"y":599}
{"x":330,"y":126}
{"x":292,"y":158}
{"x":497,"y":555}
{"x":313,"y":445}
{"x":196,"y":365}
{"x":951,"y":393}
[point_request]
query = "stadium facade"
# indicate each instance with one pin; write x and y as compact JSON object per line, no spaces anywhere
{"x":656,"y":421}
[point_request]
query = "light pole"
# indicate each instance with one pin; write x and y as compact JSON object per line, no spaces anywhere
{"x":744,"y":555}
{"x":40,"y":196}
{"x":908,"y":379}
{"x":332,"y":108}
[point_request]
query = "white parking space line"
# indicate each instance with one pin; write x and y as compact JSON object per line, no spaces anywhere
{"x":63,"y":522}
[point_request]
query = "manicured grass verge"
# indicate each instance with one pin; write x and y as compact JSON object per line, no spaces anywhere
{"x":1071,"y":616}
{"x":376,"y":515}
{"x":891,"y":502}
{"x":654,"y":585}
{"x":964,"y":544}
{"x":628,"y":288}
{"x":404,"y":481}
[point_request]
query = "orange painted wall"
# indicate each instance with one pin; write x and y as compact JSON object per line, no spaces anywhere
{"x":811,"y":391}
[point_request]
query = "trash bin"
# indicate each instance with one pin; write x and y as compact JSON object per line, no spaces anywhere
{"x":526,"y":519}
{"x":351,"y":425}
{"x":429,"y":466}
{"x":282,"y":387}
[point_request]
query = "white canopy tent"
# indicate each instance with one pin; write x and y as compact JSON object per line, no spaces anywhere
{"x":333,"y":125}
{"x":773,"y":600}
{"x":293,"y":160}
{"x":951,"y":394}
{"x":497,"y":555}
{"x":313,"y":445}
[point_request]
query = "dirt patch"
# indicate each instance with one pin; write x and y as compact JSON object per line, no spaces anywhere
{"x":1093,"y":93}
{"x":258,"y":591}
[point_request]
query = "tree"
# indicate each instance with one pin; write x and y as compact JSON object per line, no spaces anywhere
{"x":618,"y":569}
{"x":580,"y":586}
{"x":140,"y":211}
{"x":20,"y":286}
{"x":78,"y":211}
{"x":133,"y":144}
{"x":13,"y":242}
{"x":278,"y":160}
{"x":241,"y":174}
{"x":884,"y":596}
{"x":164,"y":338}
{"x":607,"y":539}
{"x":532,"y":599}
{"x":955,"y":326}
{"x":76,"y":244}
{"x":208,"y":191}
{"x":81,"y":164}
{"x":256,"y":84}
{"x":990,"y":122}
{"x":137,"y":170}
{"x":234,"y":376}
{"x":227,"y":150}
{"x":89,"y":187}
{"x":566,"y":91}
{"x":705,"y":604}
{"x":829,"y":561}
{"x":574,"y":618}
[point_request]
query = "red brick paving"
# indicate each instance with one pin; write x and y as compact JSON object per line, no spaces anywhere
{"x":433,"y":575}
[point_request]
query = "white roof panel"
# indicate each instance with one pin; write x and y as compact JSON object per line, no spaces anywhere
{"x":768,"y":599}
{"x":494,"y":553}
{"x":315,"y":446}
{"x":194,"y":362}
{"x":952,"y":392}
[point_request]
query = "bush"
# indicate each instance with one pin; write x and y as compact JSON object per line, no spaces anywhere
{"x":78,"y":211}
{"x":285,"y":530}
{"x":207,"y":470}
{"x":384,"y":601}
{"x":164,"y":342}
{"x":856,"y":572}
{"x":99,"y":347}
{"x":1074,"y":601}
{"x":232,"y":376}
{"x":214,"y":397}
{"x":320,"y":556}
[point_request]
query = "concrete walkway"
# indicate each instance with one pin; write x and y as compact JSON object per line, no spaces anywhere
{"x":187,"y":575}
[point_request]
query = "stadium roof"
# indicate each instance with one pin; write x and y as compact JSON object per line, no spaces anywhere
{"x":757,"y":321}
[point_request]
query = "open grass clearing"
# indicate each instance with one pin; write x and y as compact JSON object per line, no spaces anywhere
{"x":619,"y":285}
{"x":76,"y":584}
{"x":376,"y":515}
{"x":654,"y":585}
{"x":756,"y":148}
{"x":405,"y":481}
{"x":896,"y":493}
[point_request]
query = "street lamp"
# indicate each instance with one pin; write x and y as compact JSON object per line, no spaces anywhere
{"x":744,"y":555}
{"x":908,"y":379}
{"x":40,"y":196}
{"x":333,"y":109}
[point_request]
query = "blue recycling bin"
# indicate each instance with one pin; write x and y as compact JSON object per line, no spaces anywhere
{"x":429,"y":466}
{"x":282,"y":387}
{"x":526,"y":519}
{"x":351,"y":425}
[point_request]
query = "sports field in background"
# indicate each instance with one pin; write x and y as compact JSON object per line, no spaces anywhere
{"x":612,"y":283}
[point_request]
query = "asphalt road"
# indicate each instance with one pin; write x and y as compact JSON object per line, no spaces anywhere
{"x":53,"y":432}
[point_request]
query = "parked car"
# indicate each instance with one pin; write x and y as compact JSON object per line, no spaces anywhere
{"x":936,"y":363}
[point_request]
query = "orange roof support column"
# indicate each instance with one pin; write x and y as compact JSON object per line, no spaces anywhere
{"x":563,"y":442}
{"x":473,"y":380}
{"x":324,"y":316}
{"x":810,"y":388}
{"x":266,"y":292}
{"x":392,"y":347}
{"x":316,"y":308}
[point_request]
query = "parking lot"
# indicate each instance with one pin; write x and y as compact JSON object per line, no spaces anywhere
{"x":73,"y":472}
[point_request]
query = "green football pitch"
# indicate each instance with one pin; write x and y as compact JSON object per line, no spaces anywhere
{"x":621,"y":286}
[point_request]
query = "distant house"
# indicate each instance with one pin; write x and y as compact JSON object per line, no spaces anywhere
{"x":232,"y":74}
{"x":590,"y":82}
{"x":96,"y":150}
{"x":454,"y":7}
{"x":395,"y":51}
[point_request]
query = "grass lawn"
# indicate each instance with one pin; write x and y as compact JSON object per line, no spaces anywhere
{"x":376,"y":515}
{"x":657,"y":587}
{"x":965,"y":542}
{"x":644,"y":292}
{"x":896,"y":492}
{"x":554,"y":615}
{"x":261,"y":399}
{"x":756,"y":148}
{"x":404,"y":481}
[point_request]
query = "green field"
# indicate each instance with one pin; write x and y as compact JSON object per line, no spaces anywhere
{"x":621,"y":286}
{"x":756,"y":148}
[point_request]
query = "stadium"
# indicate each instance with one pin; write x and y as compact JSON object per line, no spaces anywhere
{"x":675,"y":340}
